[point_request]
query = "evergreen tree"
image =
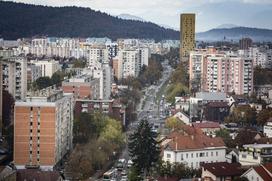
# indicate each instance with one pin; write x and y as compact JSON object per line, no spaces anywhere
{"x":144,"y":148}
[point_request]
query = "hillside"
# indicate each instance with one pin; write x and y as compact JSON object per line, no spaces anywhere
{"x":235,"y":34}
{"x":23,"y":20}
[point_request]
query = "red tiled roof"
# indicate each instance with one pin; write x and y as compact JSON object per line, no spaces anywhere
{"x":206,"y":125}
{"x":192,"y":139}
{"x":263,"y":173}
{"x":220,"y":169}
{"x":268,"y":166}
{"x":167,"y":179}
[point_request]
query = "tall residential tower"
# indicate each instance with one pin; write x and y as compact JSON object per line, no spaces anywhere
{"x":187,"y":35}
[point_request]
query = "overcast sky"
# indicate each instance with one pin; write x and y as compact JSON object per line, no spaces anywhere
{"x":210,"y":13}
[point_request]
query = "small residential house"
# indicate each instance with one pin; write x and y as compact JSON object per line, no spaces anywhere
{"x":221,"y":171}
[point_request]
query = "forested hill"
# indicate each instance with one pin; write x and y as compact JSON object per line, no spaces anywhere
{"x":23,"y":20}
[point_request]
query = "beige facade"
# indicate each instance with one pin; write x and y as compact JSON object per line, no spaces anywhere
{"x":187,"y":34}
{"x":43,"y":127}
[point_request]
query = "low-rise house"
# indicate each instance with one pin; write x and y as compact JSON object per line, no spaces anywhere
{"x":216,"y":111}
{"x":182,"y":117}
{"x":232,"y":156}
{"x":208,"y":128}
{"x":255,"y":154}
{"x":110,"y":107}
{"x":191,"y":147}
{"x":267,"y":130}
{"x":201,"y":99}
{"x":262,"y":172}
{"x":221,"y":171}
{"x":182,"y":103}
{"x":258,"y":107}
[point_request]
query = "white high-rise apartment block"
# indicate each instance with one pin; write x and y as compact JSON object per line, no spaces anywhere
{"x":107,"y":81}
{"x":15,"y":76}
{"x":48,"y":67}
{"x":33,"y":73}
{"x":97,"y":55}
{"x":130,"y":65}
{"x":261,"y":57}
{"x":144,"y":54}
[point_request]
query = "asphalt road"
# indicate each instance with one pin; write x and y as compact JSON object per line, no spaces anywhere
{"x":148,"y":109}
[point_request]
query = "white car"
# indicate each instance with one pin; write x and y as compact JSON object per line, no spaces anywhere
{"x":129,"y":164}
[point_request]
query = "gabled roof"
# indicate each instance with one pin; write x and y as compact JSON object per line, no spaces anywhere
{"x":263,"y":173}
{"x":220,"y":169}
{"x":206,"y":125}
{"x":192,"y":138}
{"x":167,"y":179}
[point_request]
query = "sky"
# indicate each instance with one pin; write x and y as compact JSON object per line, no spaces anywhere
{"x":210,"y":13}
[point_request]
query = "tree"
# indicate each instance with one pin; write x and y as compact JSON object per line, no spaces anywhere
{"x":173,"y":123}
{"x":177,"y":89}
{"x":263,"y":116}
{"x":42,"y":82}
{"x":112,"y":132}
{"x":57,"y":78}
{"x":144,"y":148}
{"x":79,"y":63}
{"x":84,"y":128}
{"x":133,"y":174}
{"x":225,"y":135}
{"x":244,"y":115}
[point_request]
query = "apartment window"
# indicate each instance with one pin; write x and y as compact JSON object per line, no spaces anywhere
{"x":168,"y":155}
{"x":192,"y":155}
{"x":196,"y":154}
{"x":186,"y":155}
{"x":192,"y":164}
{"x":216,"y":153}
{"x":211,"y":153}
{"x":181,"y":157}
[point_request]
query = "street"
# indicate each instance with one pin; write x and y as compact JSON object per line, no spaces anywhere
{"x":149,"y":109}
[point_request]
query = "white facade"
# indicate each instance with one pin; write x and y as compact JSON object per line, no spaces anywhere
{"x":107,"y":81}
{"x":15,"y":77}
{"x":255,"y":154}
{"x":193,"y":158}
{"x":129,"y":62}
{"x":252,"y":175}
{"x":48,"y":67}
{"x":268,"y":129}
{"x":33,"y":73}
{"x":144,"y":54}
{"x":97,"y":55}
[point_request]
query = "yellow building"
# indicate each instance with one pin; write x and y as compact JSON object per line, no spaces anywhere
{"x":187,"y":34}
